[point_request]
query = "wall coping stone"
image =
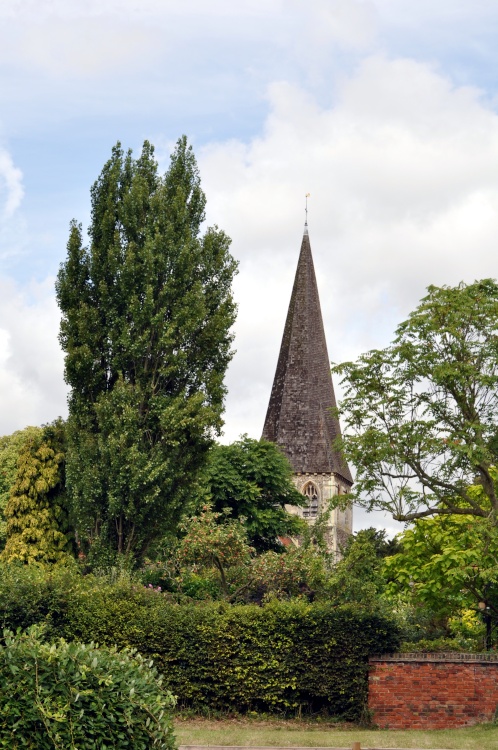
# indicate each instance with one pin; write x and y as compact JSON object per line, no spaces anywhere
{"x":447,"y":657}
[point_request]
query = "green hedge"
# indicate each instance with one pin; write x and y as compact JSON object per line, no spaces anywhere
{"x":282,"y":657}
{"x":72,"y":695}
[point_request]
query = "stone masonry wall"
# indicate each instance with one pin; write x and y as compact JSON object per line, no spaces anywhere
{"x":340,"y":525}
{"x":433,"y":691}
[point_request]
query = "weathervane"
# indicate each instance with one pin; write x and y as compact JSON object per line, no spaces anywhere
{"x":306,"y":208}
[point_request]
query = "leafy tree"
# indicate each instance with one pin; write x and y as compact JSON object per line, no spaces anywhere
{"x":358,"y":577}
{"x":10,"y":447}
{"x":35,"y":510}
{"x":223,"y":549}
{"x":146,"y":316}
{"x":449,"y":564}
{"x":382,"y":546}
{"x":298,"y":572}
{"x":210,"y":544}
{"x":422,"y":415}
{"x":253,"y":480}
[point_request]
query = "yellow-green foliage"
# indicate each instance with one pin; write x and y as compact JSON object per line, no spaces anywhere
{"x":34,"y":510}
{"x":10,"y":447}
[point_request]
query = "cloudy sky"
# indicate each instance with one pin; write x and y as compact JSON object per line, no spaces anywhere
{"x":384,"y":110}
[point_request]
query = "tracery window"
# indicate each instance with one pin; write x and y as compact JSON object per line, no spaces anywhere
{"x":311,"y":493}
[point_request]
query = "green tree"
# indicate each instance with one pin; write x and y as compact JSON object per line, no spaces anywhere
{"x":209,"y":544}
{"x":146,"y":315}
{"x":358,"y":577}
{"x":222,"y":548}
{"x":298,"y":572}
{"x":10,"y":447}
{"x":35,"y":511}
{"x":381,"y":544}
{"x":449,"y":564}
{"x":422,"y":415}
{"x":253,"y":480}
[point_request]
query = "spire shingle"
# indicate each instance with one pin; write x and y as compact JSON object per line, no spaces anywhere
{"x":298,"y":417}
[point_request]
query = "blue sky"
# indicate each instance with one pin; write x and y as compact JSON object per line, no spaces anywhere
{"x":384,"y":110}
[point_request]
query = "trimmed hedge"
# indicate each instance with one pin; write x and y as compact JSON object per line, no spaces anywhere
{"x":72,"y":695}
{"x":282,"y":657}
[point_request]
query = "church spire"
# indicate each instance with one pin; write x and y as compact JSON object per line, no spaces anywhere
{"x":299,"y":415}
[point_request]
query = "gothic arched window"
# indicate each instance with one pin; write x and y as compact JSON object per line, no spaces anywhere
{"x":311,"y":494}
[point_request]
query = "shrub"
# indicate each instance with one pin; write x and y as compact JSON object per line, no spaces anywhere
{"x":74,"y":696}
{"x":32,"y":594}
{"x":36,"y":510}
{"x":436,"y":645}
{"x":283,"y":657}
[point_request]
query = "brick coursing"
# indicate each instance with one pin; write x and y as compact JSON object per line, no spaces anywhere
{"x":437,"y":694}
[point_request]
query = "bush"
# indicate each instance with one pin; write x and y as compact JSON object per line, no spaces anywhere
{"x":32,"y":594}
{"x":283,"y":657}
{"x":74,"y":696}
{"x":436,"y":645}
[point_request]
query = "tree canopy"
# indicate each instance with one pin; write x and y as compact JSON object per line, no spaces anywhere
{"x":10,"y":447}
{"x":421,"y":415}
{"x":35,"y":511}
{"x":223,"y":549}
{"x":146,"y":310}
{"x":448,"y":563}
{"x":253,"y":480}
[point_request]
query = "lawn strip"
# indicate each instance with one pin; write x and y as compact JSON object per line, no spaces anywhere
{"x":237,"y":733}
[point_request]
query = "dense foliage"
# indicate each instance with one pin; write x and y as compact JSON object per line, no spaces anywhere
{"x":281,"y":657}
{"x":448,"y":566}
{"x":36,"y":511}
{"x":215,"y":561}
{"x":72,"y":696}
{"x":146,"y":316}
{"x":10,"y":447}
{"x":209,"y":544}
{"x":422,"y":415}
{"x":253,"y":480}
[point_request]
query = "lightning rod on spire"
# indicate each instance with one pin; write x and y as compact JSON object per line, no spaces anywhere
{"x":306,"y":213}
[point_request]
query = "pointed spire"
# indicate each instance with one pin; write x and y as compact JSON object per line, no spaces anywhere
{"x":299,"y":419}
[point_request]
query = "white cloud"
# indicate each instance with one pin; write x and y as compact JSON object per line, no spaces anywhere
{"x":403,"y":175}
{"x":28,"y":9}
{"x":32,"y":390}
{"x":11,"y":187}
{"x":65,"y":48}
{"x":348,"y":23}
{"x":12,"y":223}
{"x":426,"y":12}
{"x":99,"y":38}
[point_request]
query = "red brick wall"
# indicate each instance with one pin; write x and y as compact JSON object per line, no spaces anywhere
{"x":436,"y":692}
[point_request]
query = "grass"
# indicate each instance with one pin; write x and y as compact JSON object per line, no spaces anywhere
{"x":320,"y":734}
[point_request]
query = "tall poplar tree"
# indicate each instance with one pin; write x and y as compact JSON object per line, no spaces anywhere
{"x":146,"y":315}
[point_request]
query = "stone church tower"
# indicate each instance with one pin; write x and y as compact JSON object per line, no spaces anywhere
{"x":299,"y":417}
